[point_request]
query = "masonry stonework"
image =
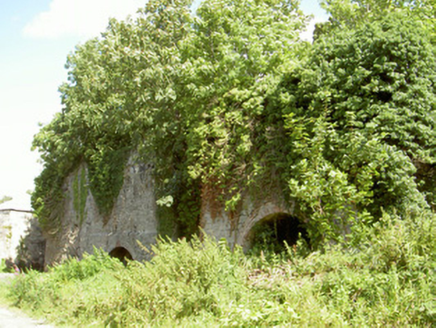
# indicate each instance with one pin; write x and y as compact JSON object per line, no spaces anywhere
{"x":21,"y":239}
{"x":134,"y":219}
{"x":235,"y":228}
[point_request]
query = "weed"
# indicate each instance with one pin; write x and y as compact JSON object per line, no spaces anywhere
{"x":387,"y":280}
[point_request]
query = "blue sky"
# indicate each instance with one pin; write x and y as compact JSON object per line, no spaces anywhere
{"x":35,"y":38}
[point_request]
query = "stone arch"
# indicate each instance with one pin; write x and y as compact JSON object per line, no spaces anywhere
{"x":122,"y":254}
{"x":274,"y":229}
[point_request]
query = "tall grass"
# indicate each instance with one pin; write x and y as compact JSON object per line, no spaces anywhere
{"x":386,"y":280}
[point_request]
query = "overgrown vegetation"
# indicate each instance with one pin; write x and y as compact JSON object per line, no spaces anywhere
{"x":228,"y":102}
{"x":185,"y":92}
{"x":361,"y":119}
{"x":388,"y":281}
{"x":80,"y":193}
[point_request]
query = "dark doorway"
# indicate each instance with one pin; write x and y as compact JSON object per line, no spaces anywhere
{"x":271,"y":233}
{"x":122,"y":254}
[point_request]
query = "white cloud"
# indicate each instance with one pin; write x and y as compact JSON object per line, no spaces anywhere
{"x":79,"y":18}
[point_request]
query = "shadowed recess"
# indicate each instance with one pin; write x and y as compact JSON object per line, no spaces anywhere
{"x":274,"y":230}
{"x":122,"y":254}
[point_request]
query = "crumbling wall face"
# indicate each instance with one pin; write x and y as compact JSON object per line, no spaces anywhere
{"x":31,"y":250}
{"x":21,"y":239}
{"x":132,"y":219}
{"x":235,"y":226}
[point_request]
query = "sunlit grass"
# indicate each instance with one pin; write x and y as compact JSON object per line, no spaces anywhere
{"x":388,"y":281}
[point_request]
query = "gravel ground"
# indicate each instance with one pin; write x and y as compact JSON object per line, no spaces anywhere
{"x":6,"y":276}
{"x":13,"y":318}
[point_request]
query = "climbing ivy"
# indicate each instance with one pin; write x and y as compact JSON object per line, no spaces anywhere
{"x":229,"y":101}
{"x":80,"y":193}
{"x":234,"y":61}
{"x":361,"y":121}
{"x":183,"y":91}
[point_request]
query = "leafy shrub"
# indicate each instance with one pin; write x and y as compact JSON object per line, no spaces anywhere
{"x":389,"y":280}
{"x":4,"y":268}
{"x":183,"y":279}
{"x":36,"y":290}
{"x":360,"y":118}
{"x":85,"y":268}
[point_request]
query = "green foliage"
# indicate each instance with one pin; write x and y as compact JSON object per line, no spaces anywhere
{"x":80,"y":193}
{"x":35,"y":290}
{"x":229,"y":102}
{"x":182,"y":280}
{"x":235,"y":61}
{"x":89,"y":266}
{"x":351,"y":13}
{"x":389,"y":280}
{"x":60,"y":158}
{"x":185,"y":92}
{"x":360,"y":117}
{"x":354,"y":13}
{"x":4,"y":268}
{"x":106,"y":170}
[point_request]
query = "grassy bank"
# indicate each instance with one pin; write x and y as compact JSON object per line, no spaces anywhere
{"x":388,"y":280}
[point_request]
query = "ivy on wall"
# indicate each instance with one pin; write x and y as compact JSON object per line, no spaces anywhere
{"x":80,"y":194}
{"x":189,"y":89}
{"x":229,"y":101}
{"x":361,"y":122}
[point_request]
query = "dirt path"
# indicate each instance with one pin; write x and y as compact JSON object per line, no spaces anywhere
{"x":13,"y":318}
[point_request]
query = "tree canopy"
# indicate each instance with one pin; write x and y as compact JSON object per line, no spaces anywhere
{"x":185,"y":91}
{"x":361,"y":117}
{"x":229,"y":101}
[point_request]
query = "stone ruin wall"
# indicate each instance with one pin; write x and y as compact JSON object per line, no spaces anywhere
{"x":134,"y":219}
{"x":236,"y":228}
{"x":13,"y":225}
{"x":21,"y":239}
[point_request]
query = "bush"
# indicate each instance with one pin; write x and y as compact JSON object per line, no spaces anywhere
{"x":389,"y":279}
{"x":183,"y":279}
{"x":360,"y":118}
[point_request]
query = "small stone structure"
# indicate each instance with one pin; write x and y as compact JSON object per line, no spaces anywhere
{"x":133,"y":220}
{"x":21,"y":239}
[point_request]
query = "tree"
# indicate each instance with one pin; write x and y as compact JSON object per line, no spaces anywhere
{"x":361,"y":117}
{"x":185,"y":92}
{"x":354,"y":13}
{"x":116,"y":101}
{"x":234,"y":60}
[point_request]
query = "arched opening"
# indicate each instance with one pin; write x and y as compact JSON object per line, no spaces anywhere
{"x":122,"y":254}
{"x":271,"y":233}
